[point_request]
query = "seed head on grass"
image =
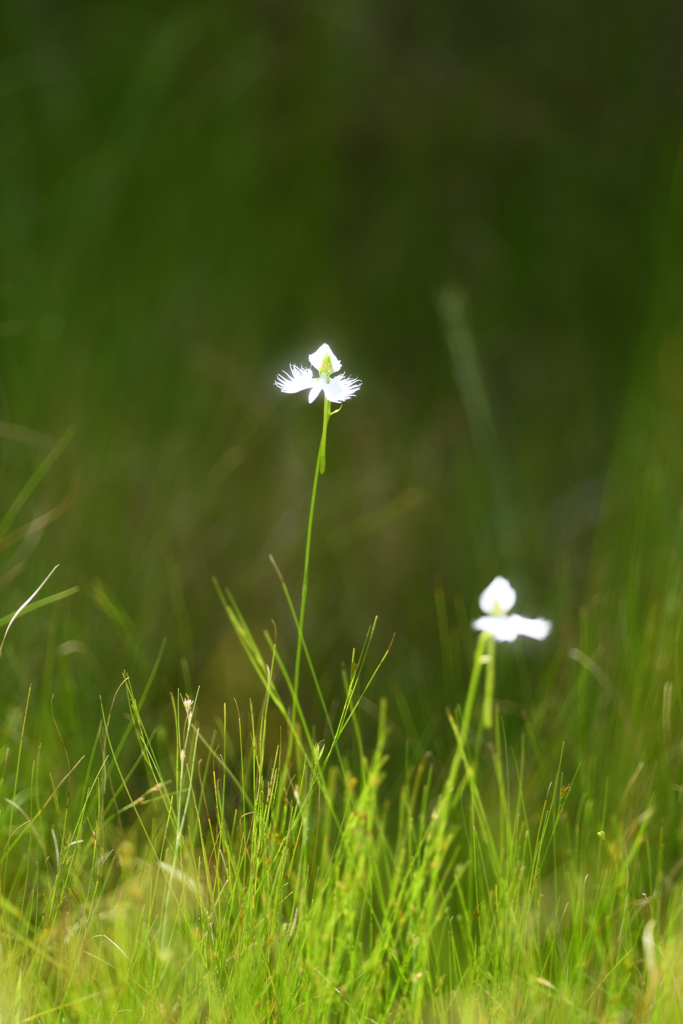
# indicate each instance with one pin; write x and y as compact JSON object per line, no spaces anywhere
{"x":336,"y":389}
{"x":497,"y":601}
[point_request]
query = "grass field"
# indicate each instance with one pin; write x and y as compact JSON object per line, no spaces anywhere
{"x":266,"y":873}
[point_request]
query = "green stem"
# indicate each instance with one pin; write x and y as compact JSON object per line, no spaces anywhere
{"x":321,"y":455}
{"x":477,"y":662}
{"x":489,"y":684}
{"x":319,"y":469}
{"x":440,"y":829}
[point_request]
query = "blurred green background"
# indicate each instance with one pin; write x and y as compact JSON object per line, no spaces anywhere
{"x":194,"y":195}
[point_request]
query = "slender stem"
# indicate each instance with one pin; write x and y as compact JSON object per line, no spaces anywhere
{"x":319,"y":468}
{"x":323,"y":445}
{"x":482,"y":643}
{"x":439,"y":826}
{"x":489,"y":684}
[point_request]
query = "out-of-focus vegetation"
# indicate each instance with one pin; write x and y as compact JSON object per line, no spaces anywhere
{"x":193,"y":195}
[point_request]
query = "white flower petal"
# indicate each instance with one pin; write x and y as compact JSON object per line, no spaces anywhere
{"x":298,"y":379}
{"x":316,"y":358}
{"x":341,"y":388}
{"x":537,"y":629}
{"x":498,"y":598}
{"x":501,"y":627}
{"x":316,"y":388}
{"x":506,"y":628}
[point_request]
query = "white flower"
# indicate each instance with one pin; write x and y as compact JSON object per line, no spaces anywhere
{"x":335,"y":389}
{"x":497,"y":601}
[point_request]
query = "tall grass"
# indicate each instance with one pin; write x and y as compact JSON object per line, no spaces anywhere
{"x":294,"y":889}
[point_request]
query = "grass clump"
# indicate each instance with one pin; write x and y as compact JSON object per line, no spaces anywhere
{"x":184,"y":885}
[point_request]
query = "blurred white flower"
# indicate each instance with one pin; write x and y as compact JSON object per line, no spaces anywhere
{"x":336,"y":389}
{"x":497,"y":601}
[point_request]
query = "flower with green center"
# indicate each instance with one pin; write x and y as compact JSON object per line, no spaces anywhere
{"x":497,"y":601}
{"x":336,"y":389}
{"x":497,"y":624}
